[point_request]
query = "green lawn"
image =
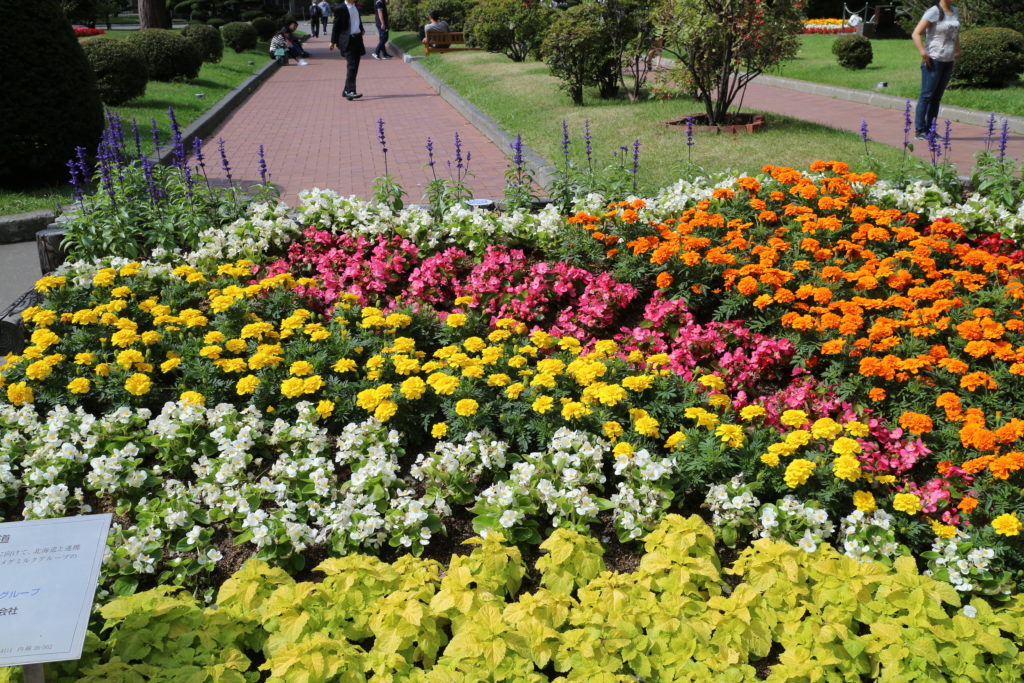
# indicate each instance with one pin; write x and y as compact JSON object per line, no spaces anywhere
{"x":897,"y":62}
{"x":214,"y":81}
{"x":525,"y":98}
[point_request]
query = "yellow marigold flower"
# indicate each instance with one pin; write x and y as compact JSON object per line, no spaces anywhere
{"x":623,"y":448}
{"x":474,"y":344}
{"x":528,"y":350}
{"x":43,"y":317}
{"x":138,"y":384}
{"x":300,"y":368}
{"x":856,"y":429}
{"x":455,"y":320}
{"x":906,"y":502}
{"x":1007,"y":524}
{"x":646,"y":426}
{"x":770,"y":458}
{"x":413,"y":388}
{"x":325,"y":408}
{"x":846,"y":467}
{"x":718,"y":400}
{"x":658,"y":359}
{"x":48,"y":282}
{"x":467,"y":407}
{"x":676,"y":441}
{"x":312,"y":384}
{"x":84,"y":358}
{"x":292,"y":387}
{"x":397,"y":321}
{"x":385,"y":410}
{"x":213,"y":337}
{"x":543,"y":404}
{"x":463,"y":300}
{"x":19,"y":394}
{"x":236,"y":345}
{"x":498,"y":336}
{"x":612,"y":429}
{"x":864,"y":501}
{"x":150,"y":337}
{"x":375,"y":362}
{"x":845,"y":446}
{"x":169,"y":365}
{"x":713,"y":382}
{"x":731,"y":435}
{"x":121,"y":292}
{"x":103,"y":369}
{"x":442,"y":383}
{"x":826,"y":428}
{"x":192,"y":397}
{"x":44,"y":338}
{"x":498,"y":380}
{"x":568,"y":343}
{"x":506,"y":323}
{"x":439,"y":430}
{"x":246,"y":385}
{"x":749,"y":413}
{"x":798,"y":472}
{"x":123,"y":338}
{"x":702,"y":416}
{"x":573,"y":410}
{"x":638,"y":382}
{"x":542,"y":339}
{"x":79,"y":385}
{"x":611,"y":394}
{"x":942,"y":530}
{"x":798,"y":438}
{"x":887,"y":479}
{"x":212,"y":351}
{"x":516,"y":361}
{"x":794,"y":418}
{"x":514,"y":390}
{"x":345,"y":365}
{"x":543,"y":379}
{"x":129,"y":269}
{"x":104,"y":278}
{"x":39,"y":370}
{"x":221,"y":303}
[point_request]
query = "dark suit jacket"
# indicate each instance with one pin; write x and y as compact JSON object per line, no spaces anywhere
{"x":342,"y":29}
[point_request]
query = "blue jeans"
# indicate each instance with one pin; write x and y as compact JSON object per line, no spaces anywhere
{"x":933,"y":84}
{"x":381,"y":50}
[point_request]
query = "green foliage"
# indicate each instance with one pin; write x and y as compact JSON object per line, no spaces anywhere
{"x":50,"y":104}
{"x":575,"y":47}
{"x":725,"y":45}
{"x":1004,"y":13}
{"x":265,"y":28}
{"x":169,"y":55}
{"x":570,"y":562}
{"x":992,"y":57}
{"x":120,"y":68}
{"x":852,"y":51}
{"x":239,"y":36}
{"x":826,"y":616}
{"x":207,"y":40}
{"x":509,"y":27}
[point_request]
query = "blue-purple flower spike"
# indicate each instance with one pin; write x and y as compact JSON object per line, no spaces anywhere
{"x":155,"y":132}
{"x":864,"y":131}
{"x":908,"y":123}
{"x":933,"y":141}
{"x":263,"y":166}
{"x":587,"y":142}
{"x":565,"y":141}
{"x":137,"y":138}
{"x":75,"y":180}
{"x":224,"y":158}
{"x":380,"y":135}
{"x":689,"y":131}
{"x":517,"y":151}
{"x":990,"y":134}
{"x":430,"y":153}
{"x":458,"y":151}
{"x":1004,"y":139}
{"x":947,"y":138}
{"x":636,"y":162}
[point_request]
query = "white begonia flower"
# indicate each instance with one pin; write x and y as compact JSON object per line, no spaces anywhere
{"x":969,"y":611}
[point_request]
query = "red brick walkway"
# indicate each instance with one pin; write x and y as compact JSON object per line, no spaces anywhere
{"x":313,"y":137}
{"x":884,"y":125}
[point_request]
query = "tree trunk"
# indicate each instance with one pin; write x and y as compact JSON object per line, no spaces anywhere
{"x":154,"y":14}
{"x":295,"y":8}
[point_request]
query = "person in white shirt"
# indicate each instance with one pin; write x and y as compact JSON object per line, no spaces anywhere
{"x":348,"y":36}
{"x":939,"y":50}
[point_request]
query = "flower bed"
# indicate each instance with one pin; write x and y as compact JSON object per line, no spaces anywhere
{"x":827,"y":26}
{"x":798,"y":357}
{"x":85,"y":31}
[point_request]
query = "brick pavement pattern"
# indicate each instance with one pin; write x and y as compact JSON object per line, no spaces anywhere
{"x":884,"y":125}
{"x":313,"y":137}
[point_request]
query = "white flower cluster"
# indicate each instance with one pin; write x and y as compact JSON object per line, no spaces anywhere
{"x":868,"y":536}
{"x":451,"y":471}
{"x":802,"y":524}
{"x":267,"y":229}
{"x":967,"y":567}
{"x":733,"y":509}
{"x":976,"y":214}
{"x":684,"y":194}
{"x":639,"y":500}
{"x":81,"y":273}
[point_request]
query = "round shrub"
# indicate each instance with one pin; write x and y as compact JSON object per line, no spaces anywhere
{"x":853,"y":51}
{"x":991,"y":57}
{"x":169,"y":56}
{"x":216,"y":22}
{"x":574,"y":48}
{"x":50,"y":103}
{"x":121,"y":71}
{"x":265,"y":28}
{"x":207,"y":40}
{"x":508,"y":26}
{"x":239,"y":36}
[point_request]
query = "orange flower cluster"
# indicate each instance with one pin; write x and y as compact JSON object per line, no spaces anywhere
{"x":902,"y":307}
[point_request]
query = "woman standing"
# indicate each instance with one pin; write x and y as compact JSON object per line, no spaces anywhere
{"x":940,"y":48}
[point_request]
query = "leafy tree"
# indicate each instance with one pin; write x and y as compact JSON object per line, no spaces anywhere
{"x":725,"y":44}
{"x":508,"y":26}
{"x":631,"y":44}
{"x":576,"y":48}
{"x":154,"y":14}
{"x":1001,"y":13}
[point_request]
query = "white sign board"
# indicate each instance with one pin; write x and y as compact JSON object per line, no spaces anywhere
{"x":48,"y":574}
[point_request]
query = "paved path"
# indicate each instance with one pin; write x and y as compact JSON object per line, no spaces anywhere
{"x":313,"y":137}
{"x":19,"y":269}
{"x":884,"y":125}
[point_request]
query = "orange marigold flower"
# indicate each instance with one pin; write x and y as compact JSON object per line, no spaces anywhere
{"x":747,"y":286}
{"x":976,"y":465}
{"x":833,"y":347}
{"x":967,"y":504}
{"x":977,"y":380}
{"x":916,"y":423}
{"x":664,"y":280}
{"x":877,"y":394}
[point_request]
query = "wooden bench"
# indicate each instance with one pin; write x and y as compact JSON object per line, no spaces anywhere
{"x":443,"y":42}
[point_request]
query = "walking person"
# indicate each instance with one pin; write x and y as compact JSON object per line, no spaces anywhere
{"x":325,"y":14}
{"x":939,"y":50}
{"x":314,"y":19}
{"x":348,"y":36}
{"x":380,"y":20}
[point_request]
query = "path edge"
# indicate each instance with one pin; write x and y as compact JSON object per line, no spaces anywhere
{"x":22,"y":227}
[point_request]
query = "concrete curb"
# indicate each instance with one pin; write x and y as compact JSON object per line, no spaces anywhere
{"x":22,"y":227}
{"x":972,"y":116}
{"x":542,"y":170}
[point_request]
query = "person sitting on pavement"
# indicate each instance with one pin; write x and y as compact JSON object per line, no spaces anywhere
{"x":436,"y":25}
{"x":286,"y":39}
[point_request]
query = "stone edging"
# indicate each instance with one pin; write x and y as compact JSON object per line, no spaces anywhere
{"x":543,"y":171}
{"x":974,"y":117}
{"x":22,"y":227}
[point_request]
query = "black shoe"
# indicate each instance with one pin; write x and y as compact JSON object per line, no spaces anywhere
{"x":351,"y":95}
{"x":920,"y":136}
{"x":386,"y":56}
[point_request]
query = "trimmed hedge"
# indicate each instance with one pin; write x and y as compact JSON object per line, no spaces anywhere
{"x":120,"y":68}
{"x":853,"y":51}
{"x":239,"y":35}
{"x":169,"y":55}
{"x":50,"y":103}
{"x":207,"y":40}
{"x":991,"y":57}
{"x":265,"y":28}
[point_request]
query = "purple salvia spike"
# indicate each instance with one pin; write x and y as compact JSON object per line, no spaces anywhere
{"x":908,"y":123}
{"x":224,"y":159}
{"x":636,"y":163}
{"x":155,"y":132}
{"x":263,"y":167}
{"x":565,"y":141}
{"x":947,"y":139}
{"x":1004,"y":139}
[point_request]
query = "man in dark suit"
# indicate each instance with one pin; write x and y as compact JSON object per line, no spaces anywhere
{"x":348,"y":36}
